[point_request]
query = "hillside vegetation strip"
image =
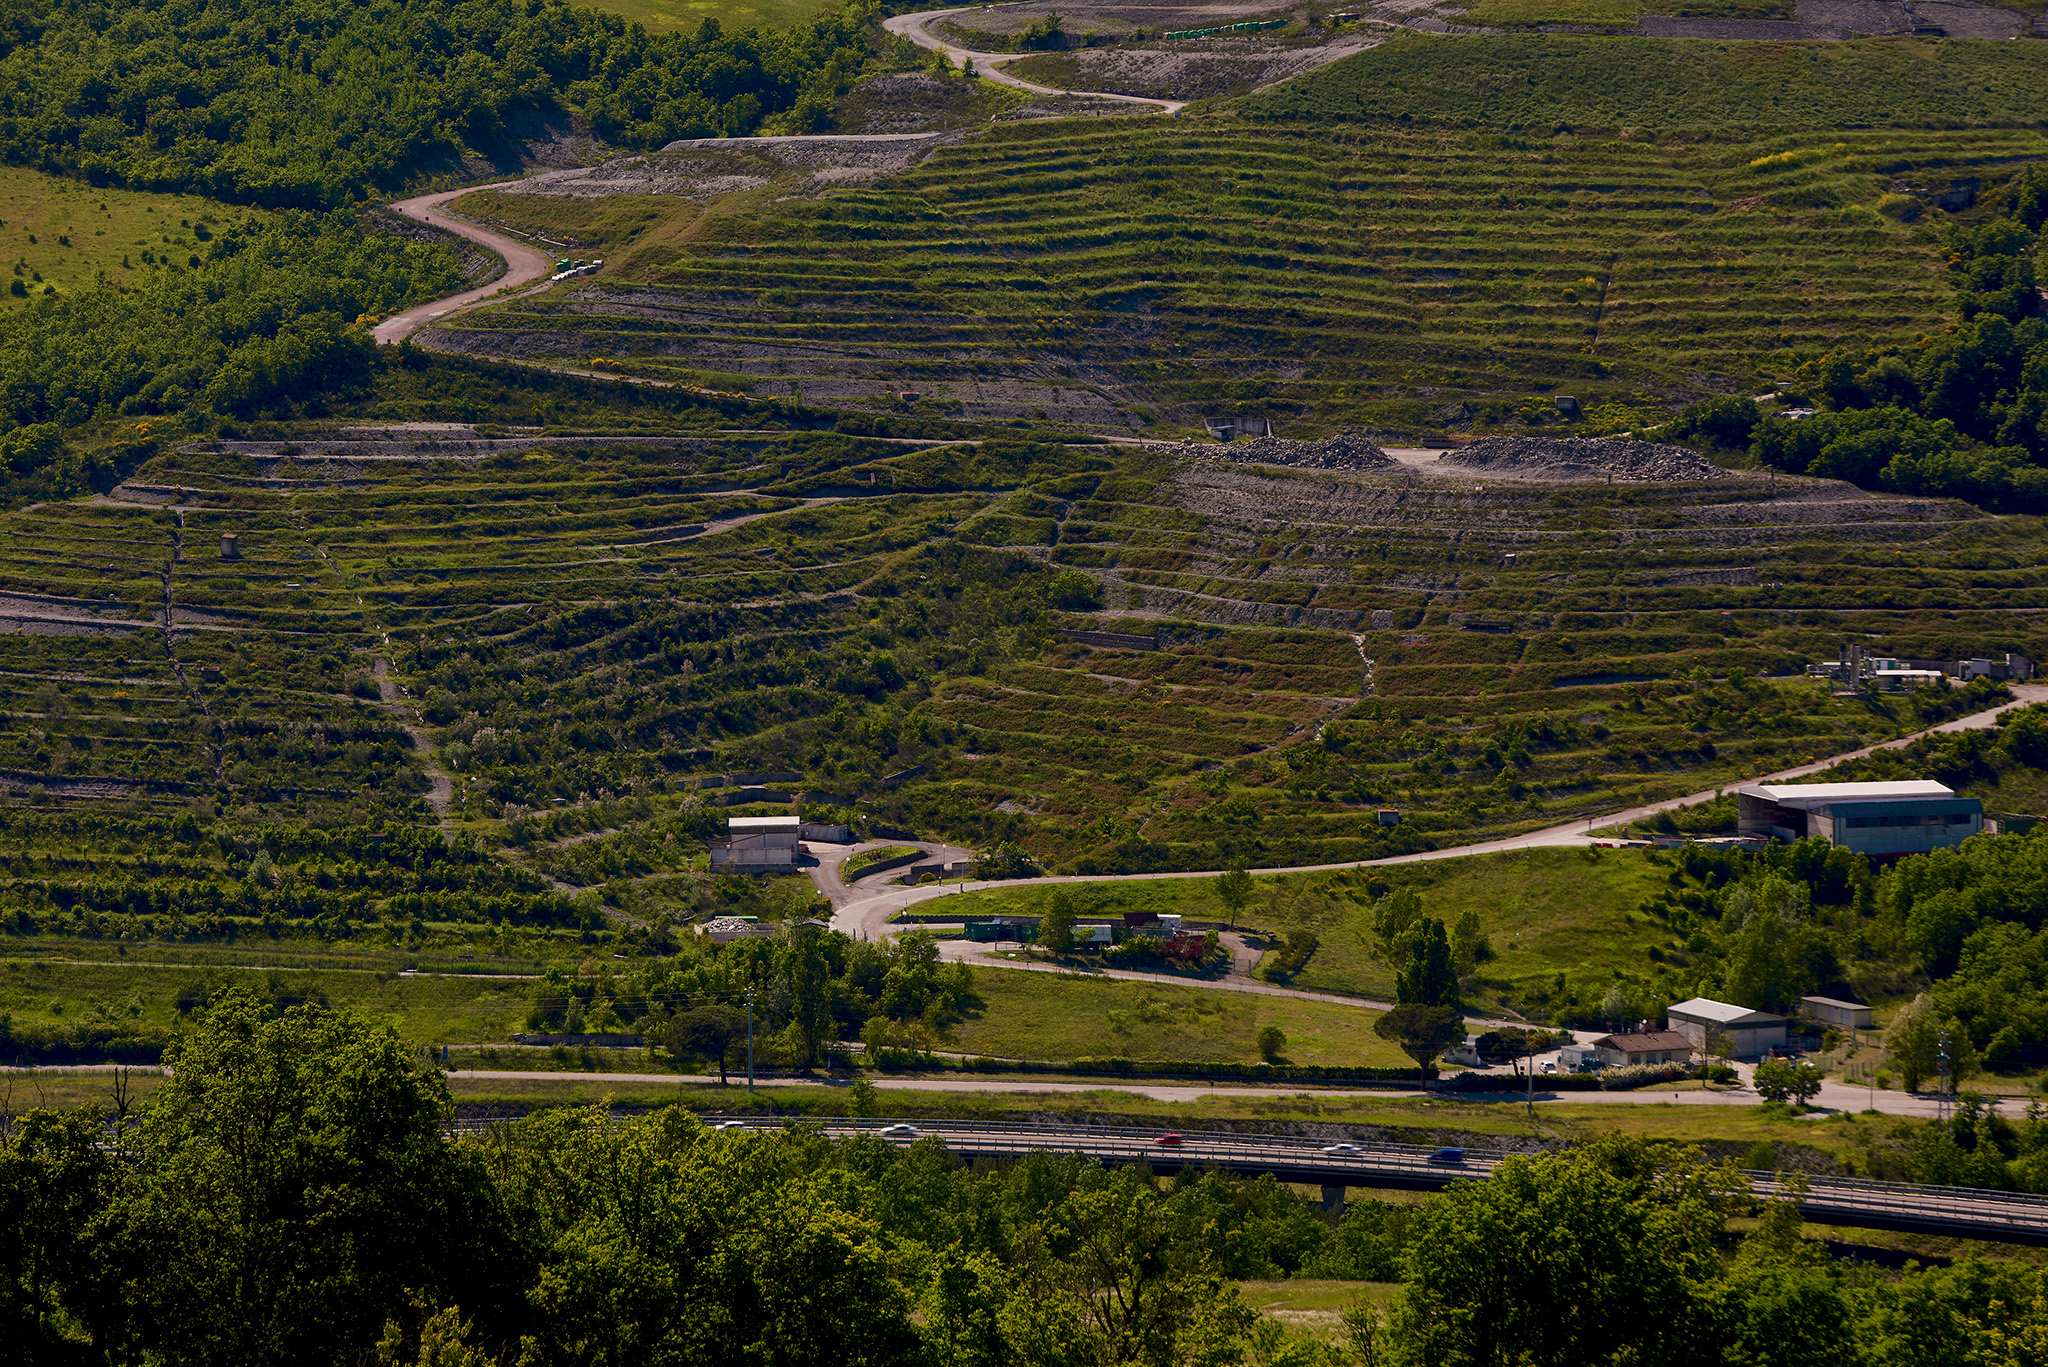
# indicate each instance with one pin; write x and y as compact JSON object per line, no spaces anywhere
{"x":1525,"y":81}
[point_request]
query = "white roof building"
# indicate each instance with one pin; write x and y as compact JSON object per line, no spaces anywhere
{"x":1812,"y":796}
{"x":1722,"y":1013}
{"x":764,"y":825}
{"x":1747,"y":1031}
{"x":758,"y":843}
{"x":1906,"y":816}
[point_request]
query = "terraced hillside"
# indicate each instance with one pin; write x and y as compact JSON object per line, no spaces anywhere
{"x":482,"y":630}
{"x":1113,"y":274}
{"x":1332,"y":642}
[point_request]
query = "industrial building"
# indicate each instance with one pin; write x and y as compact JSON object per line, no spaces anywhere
{"x":758,"y":844}
{"x":1748,"y":1033}
{"x":1907,"y":816}
{"x":1857,"y":667}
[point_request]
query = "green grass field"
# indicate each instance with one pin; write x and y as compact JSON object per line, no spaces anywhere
{"x":425,"y":1010}
{"x":1543,"y":911}
{"x":68,"y":236}
{"x":1067,"y":1016}
{"x":668,"y":16}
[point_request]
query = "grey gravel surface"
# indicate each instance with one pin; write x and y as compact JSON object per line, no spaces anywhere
{"x":1343,"y":452}
{"x":1584,"y":458}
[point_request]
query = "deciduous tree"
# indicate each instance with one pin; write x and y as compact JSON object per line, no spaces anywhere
{"x":1421,"y":1031}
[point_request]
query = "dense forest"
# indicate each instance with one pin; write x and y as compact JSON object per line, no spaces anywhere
{"x":305,"y":110}
{"x":293,"y":1196}
{"x":1964,"y":414}
{"x":293,"y":104}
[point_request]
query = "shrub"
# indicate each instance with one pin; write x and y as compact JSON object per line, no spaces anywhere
{"x":1074,"y":591}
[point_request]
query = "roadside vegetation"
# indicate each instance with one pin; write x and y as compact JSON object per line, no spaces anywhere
{"x":866,"y":1250}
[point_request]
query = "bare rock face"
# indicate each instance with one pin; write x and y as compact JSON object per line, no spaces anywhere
{"x":1584,"y":458}
{"x":1343,"y":452}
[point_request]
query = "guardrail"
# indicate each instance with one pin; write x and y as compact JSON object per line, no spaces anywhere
{"x":1972,"y":1212}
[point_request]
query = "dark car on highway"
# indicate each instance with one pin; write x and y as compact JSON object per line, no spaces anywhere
{"x":1448,"y":1155}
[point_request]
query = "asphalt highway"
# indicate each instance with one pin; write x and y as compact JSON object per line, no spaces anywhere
{"x":1965,"y":1212}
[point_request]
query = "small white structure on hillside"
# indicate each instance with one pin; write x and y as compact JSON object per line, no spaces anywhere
{"x":1840,"y":1014}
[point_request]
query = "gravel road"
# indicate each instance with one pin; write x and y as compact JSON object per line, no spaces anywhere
{"x":912,"y":26}
{"x":523,"y":265}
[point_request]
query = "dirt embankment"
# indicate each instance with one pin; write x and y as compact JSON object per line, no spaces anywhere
{"x":1344,"y":452}
{"x":1205,"y":68}
{"x":704,"y":168}
{"x":1580,"y":458}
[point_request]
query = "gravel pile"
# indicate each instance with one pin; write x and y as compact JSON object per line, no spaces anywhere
{"x":1346,"y":452}
{"x":1584,"y":458}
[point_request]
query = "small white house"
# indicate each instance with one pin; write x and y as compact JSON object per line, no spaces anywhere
{"x":1465,"y":1055}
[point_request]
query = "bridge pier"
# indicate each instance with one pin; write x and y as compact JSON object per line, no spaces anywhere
{"x":1333,"y":1200}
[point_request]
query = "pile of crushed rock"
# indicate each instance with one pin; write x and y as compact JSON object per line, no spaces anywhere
{"x":1584,"y":458}
{"x":1343,"y":452}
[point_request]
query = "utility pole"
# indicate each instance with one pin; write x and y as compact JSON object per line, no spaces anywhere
{"x":1529,"y":1076}
{"x":750,"y":1041}
{"x":1941,"y":1100}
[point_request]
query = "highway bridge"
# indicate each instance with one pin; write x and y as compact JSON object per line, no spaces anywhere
{"x":1957,"y":1212}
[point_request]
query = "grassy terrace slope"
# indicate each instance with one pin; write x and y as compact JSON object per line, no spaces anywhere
{"x":1498,"y":697}
{"x":586,"y":618}
{"x":1663,"y":84}
{"x":1102,"y":272}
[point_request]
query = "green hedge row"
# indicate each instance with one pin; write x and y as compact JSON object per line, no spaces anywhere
{"x":50,"y":1045}
{"x":892,"y":1060}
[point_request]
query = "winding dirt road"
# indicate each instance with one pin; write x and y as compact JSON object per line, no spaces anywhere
{"x":523,"y":265}
{"x":912,"y":26}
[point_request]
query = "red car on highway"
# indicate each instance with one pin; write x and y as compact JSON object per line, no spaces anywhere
{"x":1168,"y":1141}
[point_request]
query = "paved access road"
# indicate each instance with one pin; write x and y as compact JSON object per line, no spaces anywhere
{"x":869,"y":916}
{"x":825,"y":875}
{"x":523,"y":264}
{"x":1834,"y":1097}
{"x":912,"y":26}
